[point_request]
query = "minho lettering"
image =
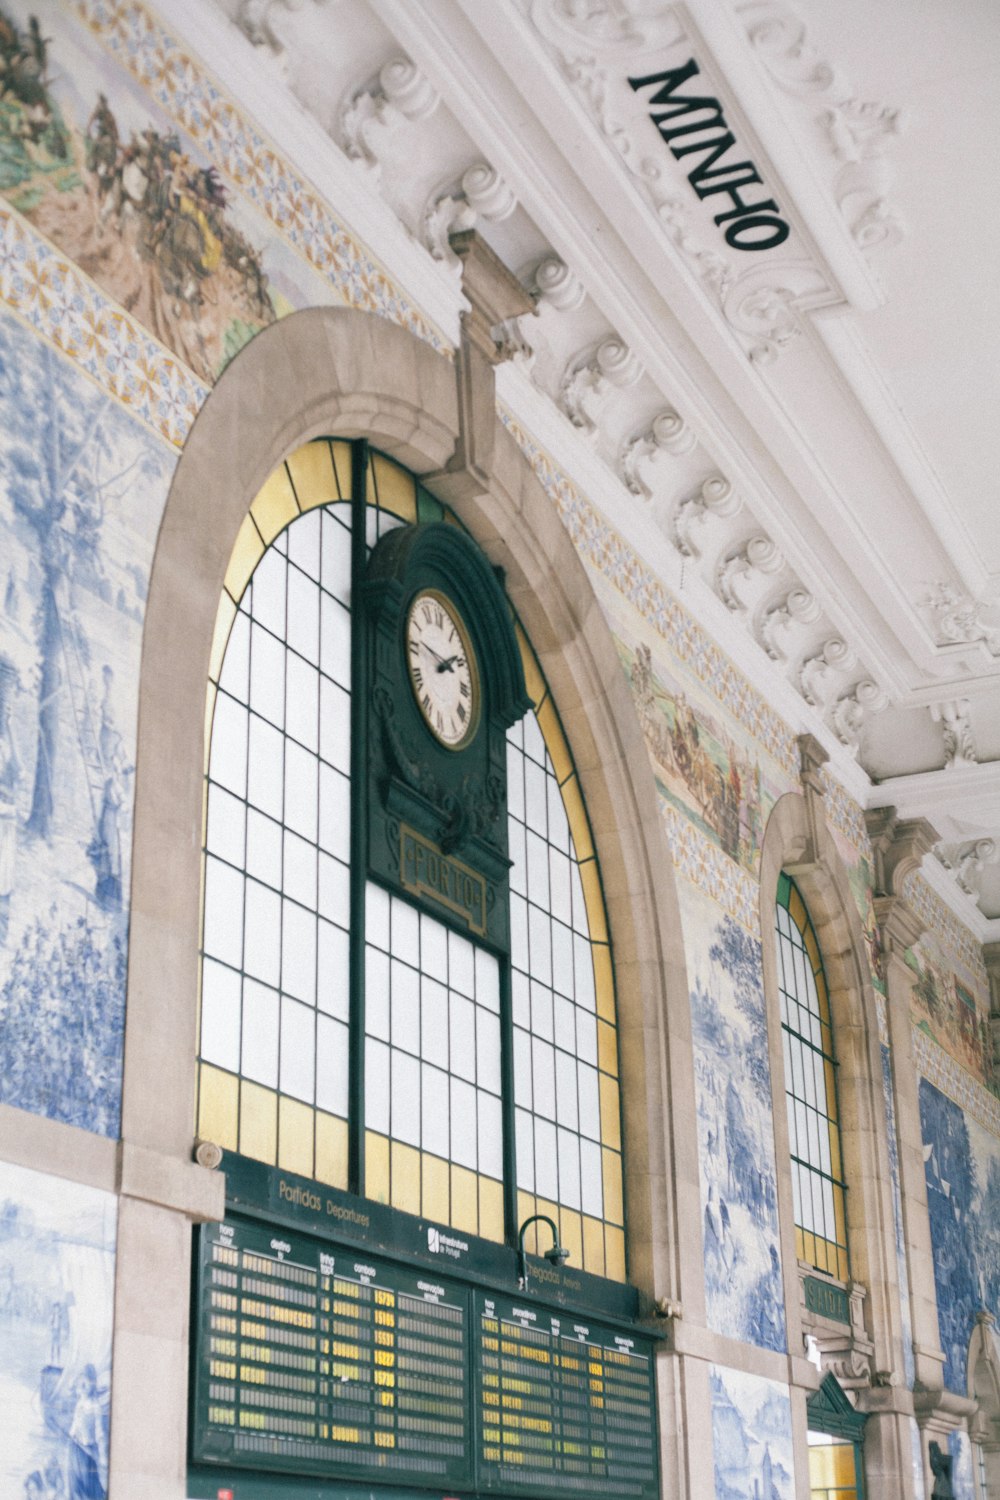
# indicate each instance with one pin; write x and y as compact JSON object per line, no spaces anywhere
{"x":686,"y":118}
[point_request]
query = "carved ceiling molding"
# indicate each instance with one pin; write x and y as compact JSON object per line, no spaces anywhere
{"x":762,"y":306}
{"x":955,"y":718}
{"x":399,"y":92}
{"x":957,"y":619}
{"x":968,"y":862}
{"x":857,"y":133}
{"x":481,"y":194}
{"x":590,"y":376}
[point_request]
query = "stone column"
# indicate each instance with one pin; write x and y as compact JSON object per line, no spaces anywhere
{"x":899,"y":846}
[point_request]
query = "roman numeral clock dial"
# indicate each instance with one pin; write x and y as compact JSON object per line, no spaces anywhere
{"x":443,"y":671}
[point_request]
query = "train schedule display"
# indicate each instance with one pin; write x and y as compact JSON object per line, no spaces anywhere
{"x":312,"y":1358}
{"x":318,"y":1360}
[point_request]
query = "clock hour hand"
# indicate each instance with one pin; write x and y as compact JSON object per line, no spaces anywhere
{"x":447,"y":665}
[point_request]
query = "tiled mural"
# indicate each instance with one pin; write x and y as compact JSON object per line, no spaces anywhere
{"x":57,"y":1254}
{"x":950,"y":1006}
{"x":751,"y":1437}
{"x":743,"y":1284}
{"x":902,"y":1266}
{"x":963,"y":1196}
{"x":83,"y":490}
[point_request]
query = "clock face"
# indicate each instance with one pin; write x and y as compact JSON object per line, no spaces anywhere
{"x":443,"y":671}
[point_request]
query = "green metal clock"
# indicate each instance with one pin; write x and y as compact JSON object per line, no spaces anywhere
{"x":445,"y":682}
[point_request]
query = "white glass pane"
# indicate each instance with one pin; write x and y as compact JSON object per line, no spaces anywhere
{"x":569,"y":1169}
{"x":541,"y":1010}
{"x":220,"y":1016}
{"x":518,"y":854}
{"x":588,"y":1094}
{"x":521,"y":995}
{"x":518,"y":932}
{"x":298,"y":1051}
{"x":566,"y":1110}
{"x":540,"y":943}
{"x":263,"y":848}
{"x":546,"y":1170}
{"x":335,"y":725}
{"x":558,"y":822}
{"x":534,"y":742}
{"x":524,"y":1138}
{"x":332,"y":982}
{"x":538,"y":870}
{"x":300,"y":791}
{"x":544,"y":1077}
{"x":302,"y":708}
{"x":586,"y":1036}
{"x":262,"y":944}
{"x":463,"y":1123}
{"x":226,"y":823}
{"x":377,"y":916}
{"x":335,"y":641}
{"x":581,"y":922}
{"x":303,"y":615}
{"x":336,"y":558}
{"x":376,"y":1086}
{"x":463,"y":1037}
{"x":335,"y":813}
{"x":434,"y":1022}
{"x":515,"y":783}
{"x":304,"y":543}
{"x":298,"y":952}
{"x":234,"y":677}
{"x":267,"y":676}
{"x":377,"y":993}
{"x":583,"y":973}
{"x":523,"y":1091}
{"x":405,"y":932}
{"x":592,"y":1194}
{"x":490,"y":1135}
{"x":334,"y":890}
{"x":299,"y":879}
{"x":332,"y":1056}
{"x":433,"y":949}
{"x":487,"y":1050}
{"x":562,"y":958}
{"x":405,"y":1098}
{"x":266,"y":767}
{"x":223,"y":912}
{"x":487,"y":980}
{"x":228,"y":763}
{"x":434,"y":1110}
{"x":267,"y":598}
{"x":405,"y":1007}
{"x":461,"y":964}
{"x":535,"y":809}
{"x":559,"y":885}
{"x":260,"y":1033}
{"x":565,"y":1019}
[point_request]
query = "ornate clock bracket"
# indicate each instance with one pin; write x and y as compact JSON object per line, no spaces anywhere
{"x":437,"y":826}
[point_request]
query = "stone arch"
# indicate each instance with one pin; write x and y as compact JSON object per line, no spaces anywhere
{"x":984,"y":1389}
{"x":340,"y":372}
{"x":798,"y":842}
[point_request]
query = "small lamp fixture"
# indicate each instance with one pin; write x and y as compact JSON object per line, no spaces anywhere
{"x":556,"y":1253}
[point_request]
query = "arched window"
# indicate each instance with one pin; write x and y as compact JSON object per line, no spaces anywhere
{"x":351,"y":1034}
{"x":811,"y":1089}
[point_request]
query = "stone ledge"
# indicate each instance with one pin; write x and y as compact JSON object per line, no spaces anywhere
{"x":199,"y":1194}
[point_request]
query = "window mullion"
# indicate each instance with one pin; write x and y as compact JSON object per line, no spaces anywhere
{"x":359,"y":826}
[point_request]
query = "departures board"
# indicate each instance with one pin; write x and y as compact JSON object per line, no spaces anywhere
{"x":312,"y":1358}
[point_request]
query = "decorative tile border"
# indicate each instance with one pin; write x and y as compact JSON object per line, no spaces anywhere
{"x":934,"y":1064}
{"x":882,"y":1017}
{"x":697,"y":859}
{"x":59,"y":302}
{"x":955,"y":938}
{"x":846,"y":815}
{"x":185,"y":89}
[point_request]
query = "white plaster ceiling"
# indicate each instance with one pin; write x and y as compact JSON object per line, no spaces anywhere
{"x":808,"y":428}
